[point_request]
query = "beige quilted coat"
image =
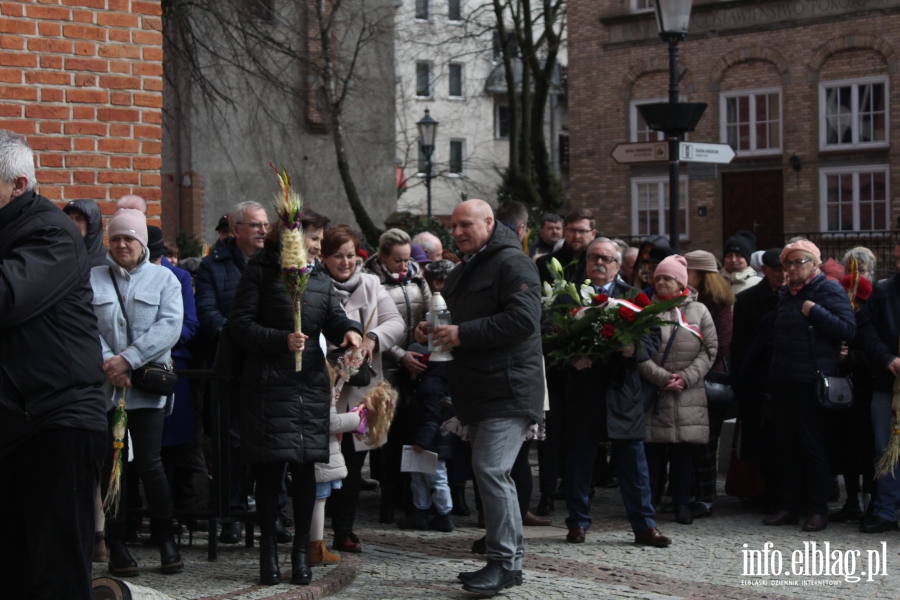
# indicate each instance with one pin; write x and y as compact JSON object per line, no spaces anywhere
{"x":683,"y":416}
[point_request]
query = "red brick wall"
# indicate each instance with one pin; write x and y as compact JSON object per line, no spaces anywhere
{"x":602,"y":81}
{"x":82,"y":80}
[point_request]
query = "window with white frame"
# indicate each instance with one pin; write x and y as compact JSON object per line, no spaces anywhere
{"x":854,"y":198}
{"x":751,"y":121}
{"x":423,"y":79}
{"x":853,"y":113}
{"x":456,"y":81}
{"x":422,"y":9}
{"x":640,"y":132}
{"x":454,"y":10}
{"x":650,"y":206}
{"x":457,"y":152}
{"x":641,"y":5}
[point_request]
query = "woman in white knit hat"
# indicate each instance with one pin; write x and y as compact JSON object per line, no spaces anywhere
{"x":144,"y":332}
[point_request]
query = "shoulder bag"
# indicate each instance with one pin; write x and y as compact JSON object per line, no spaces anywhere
{"x":833,"y":393}
{"x":718,"y":388}
{"x":649,"y":391}
{"x":153,"y":378}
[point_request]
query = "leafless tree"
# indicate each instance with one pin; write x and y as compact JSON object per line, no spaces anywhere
{"x":223,"y":50}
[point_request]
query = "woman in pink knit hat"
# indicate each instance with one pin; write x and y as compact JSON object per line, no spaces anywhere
{"x":678,"y":419}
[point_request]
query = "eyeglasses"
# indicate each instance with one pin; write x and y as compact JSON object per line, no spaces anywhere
{"x":256,"y":225}
{"x":787,"y":264}
{"x":592,"y":258}
{"x":578,"y":231}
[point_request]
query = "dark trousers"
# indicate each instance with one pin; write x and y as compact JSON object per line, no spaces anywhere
{"x":704,"y":456}
{"x":237,"y":470}
{"x":145,"y":426}
{"x":680,"y":469}
{"x":269,"y":478}
{"x":48,"y":515}
{"x":551,"y":451}
{"x":800,"y":432}
{"x":631,"y":470}
{"x":343,"y":501}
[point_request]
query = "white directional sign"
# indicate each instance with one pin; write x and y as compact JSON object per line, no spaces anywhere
{"x":641,"y":152}
{"x":705,"y":153}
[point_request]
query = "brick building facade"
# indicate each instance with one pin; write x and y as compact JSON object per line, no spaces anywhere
{"x":82,"y":80}
{"x":804,"y":90}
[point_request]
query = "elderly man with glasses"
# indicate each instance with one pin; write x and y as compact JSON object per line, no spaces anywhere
{"x":603,"y":403}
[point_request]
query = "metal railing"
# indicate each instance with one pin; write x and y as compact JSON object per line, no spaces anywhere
{"x":220,"y":474}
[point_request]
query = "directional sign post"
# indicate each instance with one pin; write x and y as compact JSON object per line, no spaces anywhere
{"x":706,"y":153}
{"x":641,"y":152}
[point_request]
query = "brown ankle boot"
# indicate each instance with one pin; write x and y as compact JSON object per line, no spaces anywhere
{"x":99,"y":547}
{"x":320,"y":556}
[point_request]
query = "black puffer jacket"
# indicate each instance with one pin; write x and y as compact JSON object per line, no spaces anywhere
{"x":833,"y":320}
{"x":94,"y":238}
{"x":495,"y":298}
{"x":284,"y":414}
{"x":428,"y":409}
{"x":50,"y":359}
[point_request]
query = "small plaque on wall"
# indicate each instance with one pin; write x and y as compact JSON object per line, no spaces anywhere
{"x":702,"y":171}
{"x":701,"y":211}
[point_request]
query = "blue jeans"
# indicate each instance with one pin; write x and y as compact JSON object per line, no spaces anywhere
{"x":495,"y":446}
{"x":631,"y":470}
{"x":427,"y":488}
{"x":887,"y":495}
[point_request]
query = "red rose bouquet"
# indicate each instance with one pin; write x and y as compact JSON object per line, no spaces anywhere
{"x":585,"y":323}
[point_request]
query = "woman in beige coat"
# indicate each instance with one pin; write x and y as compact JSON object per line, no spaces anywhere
{"x":679,"y":417}
{"x":365,"y":300}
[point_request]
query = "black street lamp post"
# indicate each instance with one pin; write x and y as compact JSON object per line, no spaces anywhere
{"x":427,"y":132}
{"x":674,"y":118}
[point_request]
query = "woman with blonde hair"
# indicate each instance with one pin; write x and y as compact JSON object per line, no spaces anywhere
{"x":717,"y":294}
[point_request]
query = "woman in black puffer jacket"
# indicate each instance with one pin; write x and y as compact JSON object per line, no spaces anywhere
{"x":809,"y":299}
{"x":285,"y":414}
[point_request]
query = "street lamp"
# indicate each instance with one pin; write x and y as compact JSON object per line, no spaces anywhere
{"x":673,"y":118}
{"x":427,"y":133}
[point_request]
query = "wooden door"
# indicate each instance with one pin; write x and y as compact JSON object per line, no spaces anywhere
{"x":754,"y":201}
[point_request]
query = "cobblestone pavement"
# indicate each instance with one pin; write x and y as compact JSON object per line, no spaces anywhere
{"x":705,"y":561}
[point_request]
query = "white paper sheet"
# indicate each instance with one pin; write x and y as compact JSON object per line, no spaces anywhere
{"x":412,"y":462}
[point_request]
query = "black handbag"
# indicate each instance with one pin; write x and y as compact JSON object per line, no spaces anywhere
{"x":649,"y":391}
{"x":153,"y":378}
{"x":363,"y":377}
{"x":833,"y":393}
{"x":718,"y":388}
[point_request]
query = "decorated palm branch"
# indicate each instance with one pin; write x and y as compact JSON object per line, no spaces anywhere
{"x":854,"y":281}
{"x":294,"y":267}
{"x":888,"y":462}
{"x":120,"y":428}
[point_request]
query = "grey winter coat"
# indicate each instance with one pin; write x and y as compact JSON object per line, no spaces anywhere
{"x":682,"y":416}
{"x":155,"y":312}
{"x":336,"y":467}
{"x":742,"y":280}
{"x":412,"y":297}
{"x":94,"y":238}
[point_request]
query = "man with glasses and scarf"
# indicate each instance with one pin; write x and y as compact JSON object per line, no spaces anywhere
{"x":603,"y":403}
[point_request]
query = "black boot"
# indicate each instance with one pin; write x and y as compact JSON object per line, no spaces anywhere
{"x":168,"y":549}
{"x":268,"y":561}
{"x":281,"y":534}
{"x":120,"y":562}
{"x":301,"y":574}
{"x":490,"y":580}
{"x":458,"y":495}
